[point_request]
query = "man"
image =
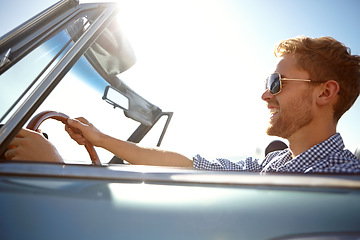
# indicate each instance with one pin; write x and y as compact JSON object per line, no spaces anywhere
{"x":315,"y":82}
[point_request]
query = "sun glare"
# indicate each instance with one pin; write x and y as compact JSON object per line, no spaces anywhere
{"x":194,"y":60}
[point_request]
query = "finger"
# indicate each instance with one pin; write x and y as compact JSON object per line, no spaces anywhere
{"x":72,"y":127}
{"x":79,"y":139}
{"x":83,"y":120}
{"x":10,"y":154}
{"x":76,"y":126}
{"x":68,"y":129}
{"x":15,"y":142}
{"x":78,"y":123}
{"x":23,"y":133}
{"x":18,"y":140}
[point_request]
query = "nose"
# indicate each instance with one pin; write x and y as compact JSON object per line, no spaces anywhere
{"x":266,"y":96}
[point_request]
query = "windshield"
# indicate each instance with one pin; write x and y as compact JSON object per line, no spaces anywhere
{"x":80,"y":91}
{"x":80,"y":94}
{"x":29,"y":72}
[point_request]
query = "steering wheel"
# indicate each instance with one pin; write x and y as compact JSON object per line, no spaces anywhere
{"x":42,"y":116}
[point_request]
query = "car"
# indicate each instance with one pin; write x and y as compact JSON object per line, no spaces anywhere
{"x":67,"y":61}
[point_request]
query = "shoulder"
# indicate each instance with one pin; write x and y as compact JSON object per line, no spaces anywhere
{"x":338,"y":162}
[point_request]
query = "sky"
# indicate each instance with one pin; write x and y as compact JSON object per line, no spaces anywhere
{"x":206,"y":60}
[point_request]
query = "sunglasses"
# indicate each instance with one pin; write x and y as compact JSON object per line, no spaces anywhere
{"x":274,"y":85}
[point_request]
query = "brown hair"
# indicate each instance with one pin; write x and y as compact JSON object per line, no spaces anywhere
{"x":326,"y":59}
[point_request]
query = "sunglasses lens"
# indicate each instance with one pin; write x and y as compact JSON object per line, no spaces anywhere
{"x":273,"y":83}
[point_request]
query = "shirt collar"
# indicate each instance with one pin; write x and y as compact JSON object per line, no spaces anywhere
{"x":283,"y":162}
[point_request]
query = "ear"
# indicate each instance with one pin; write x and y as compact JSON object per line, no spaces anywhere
{"x":328,"y":92}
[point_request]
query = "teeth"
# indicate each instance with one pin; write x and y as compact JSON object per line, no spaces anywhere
{"x":274,"y":111}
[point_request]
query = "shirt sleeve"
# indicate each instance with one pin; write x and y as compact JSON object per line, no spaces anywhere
{"x":220,"y":164}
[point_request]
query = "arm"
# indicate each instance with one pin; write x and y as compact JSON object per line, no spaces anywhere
{"x":130,"y":152}
{"x":32,"y":146}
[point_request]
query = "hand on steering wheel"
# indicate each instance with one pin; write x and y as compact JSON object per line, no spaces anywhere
{"x":36,"y":121}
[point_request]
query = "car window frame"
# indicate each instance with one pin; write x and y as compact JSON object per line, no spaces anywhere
{"x":106,"y":14}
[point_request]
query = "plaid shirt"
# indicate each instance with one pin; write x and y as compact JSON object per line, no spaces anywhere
{"x":326,"y":157}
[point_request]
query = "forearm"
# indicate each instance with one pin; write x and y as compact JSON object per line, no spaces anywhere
{"x":135,"y":154}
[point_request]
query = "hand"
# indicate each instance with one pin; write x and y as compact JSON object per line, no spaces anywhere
{"x":81,"y":130}
{"x":32,"y":146}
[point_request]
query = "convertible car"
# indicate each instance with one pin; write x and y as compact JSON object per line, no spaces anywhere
{"x":67,"y":61}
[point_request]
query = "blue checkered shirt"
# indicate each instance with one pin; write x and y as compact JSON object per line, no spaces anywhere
{"x":326,"y":157}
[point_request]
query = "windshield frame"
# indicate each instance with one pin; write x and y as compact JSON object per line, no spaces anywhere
{"x":107,"y":12}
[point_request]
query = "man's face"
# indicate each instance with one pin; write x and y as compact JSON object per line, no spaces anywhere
{"x":291,"y":109}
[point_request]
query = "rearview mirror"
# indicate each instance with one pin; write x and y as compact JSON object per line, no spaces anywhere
{"x":116,"y":98}
{"x":111,"y":53}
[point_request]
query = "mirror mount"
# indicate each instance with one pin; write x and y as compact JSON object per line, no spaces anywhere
{"x":138,"y":109}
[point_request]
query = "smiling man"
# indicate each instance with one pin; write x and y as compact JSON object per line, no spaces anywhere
{"x":315,"y":82}
{"x":304,"y":112}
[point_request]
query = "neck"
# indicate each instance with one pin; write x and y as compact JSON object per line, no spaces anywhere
{"x":310,"y":135}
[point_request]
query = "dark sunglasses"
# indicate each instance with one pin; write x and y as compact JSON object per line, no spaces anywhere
{"x":274,"y":85}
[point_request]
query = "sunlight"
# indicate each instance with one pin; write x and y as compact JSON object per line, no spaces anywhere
{"x":163,"y":195}
{"x":194,"y":60}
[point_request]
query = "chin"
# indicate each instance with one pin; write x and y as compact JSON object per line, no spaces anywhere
{"x":277,"y":132}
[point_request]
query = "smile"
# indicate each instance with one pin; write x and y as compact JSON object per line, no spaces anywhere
{"x":273,"y":112}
